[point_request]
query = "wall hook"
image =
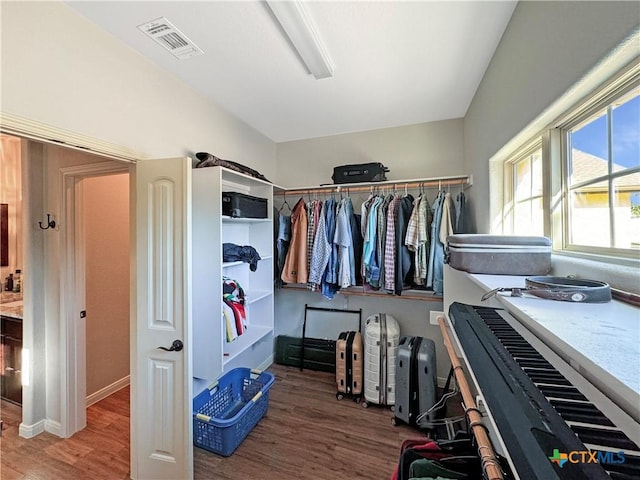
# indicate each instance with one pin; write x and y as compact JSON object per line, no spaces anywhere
{"x":50,"y":223}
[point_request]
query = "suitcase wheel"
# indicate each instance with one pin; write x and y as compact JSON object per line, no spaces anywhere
{"x":393,"y":421}
{"x":357,"y":399}
{"x":365,"y":404}
{"x":339,"y":395}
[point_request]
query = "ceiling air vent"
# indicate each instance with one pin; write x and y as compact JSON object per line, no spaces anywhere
{"x":167,"y":35}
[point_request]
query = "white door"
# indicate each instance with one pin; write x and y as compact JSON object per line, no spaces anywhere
{"x":161,"y":388}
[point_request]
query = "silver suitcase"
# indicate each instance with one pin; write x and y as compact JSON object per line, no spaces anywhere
{"x":381,"y":337}
{"x":416,"y":382}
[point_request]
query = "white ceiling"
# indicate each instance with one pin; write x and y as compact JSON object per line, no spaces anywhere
{"x":395,"y":63}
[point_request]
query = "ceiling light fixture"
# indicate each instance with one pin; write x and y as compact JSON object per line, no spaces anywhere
{"x":297,"y":24}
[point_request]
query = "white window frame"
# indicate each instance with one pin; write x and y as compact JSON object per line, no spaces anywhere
{"x":598,"y":102}
{"x":509,"y":188}
{"x":552,"y":140}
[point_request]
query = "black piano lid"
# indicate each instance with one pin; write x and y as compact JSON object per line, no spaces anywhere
{"x":530,"y":426}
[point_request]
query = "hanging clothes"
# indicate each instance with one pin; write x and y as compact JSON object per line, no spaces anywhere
{"x":356,"y":235}
{"x":462,"y":214}
{"x":444,"y":230}
{"x":404,"y":264}
{"x":369,"y":255}
{"x":330,"y":284}
{"x":348,"y":207}
{"x":295,"y":266}
{"x":283,"y":238}
{"x":395,"y":242}
{"x":417,"y":239}
{"x":344,"y":242}
{"x":321,"y":251}
{"x":425,"y":219}
{"x":381,"y":237}
{"x":435,"y":229}
{"x":313,"y":212}
{"x":412,"y":237}
{"x":390,"y":246}
{"x":448,"y":216}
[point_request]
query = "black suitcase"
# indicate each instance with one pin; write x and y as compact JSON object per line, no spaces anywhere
{"x":416,"y":383}
{"x":363,"y":172}
{"x":241,"y":205}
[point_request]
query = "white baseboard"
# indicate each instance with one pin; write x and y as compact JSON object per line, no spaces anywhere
{"x":53,"y":427}
{"x":266,"y":363}
{"x":30,"y":431}
{"x":108,"y":390}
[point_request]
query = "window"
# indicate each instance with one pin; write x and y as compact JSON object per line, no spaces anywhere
{"x":602,"y":176}
{"x":524,"y":213}
{"x":578,"y":180}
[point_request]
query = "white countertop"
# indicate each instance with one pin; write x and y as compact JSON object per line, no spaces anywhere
{"x":600,"y":338}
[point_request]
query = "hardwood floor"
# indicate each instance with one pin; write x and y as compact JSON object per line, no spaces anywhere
{"x":100,"y":451}
{"x":306,"y":434}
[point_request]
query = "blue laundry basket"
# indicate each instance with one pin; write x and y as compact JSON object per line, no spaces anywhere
{"x":225,"y":413}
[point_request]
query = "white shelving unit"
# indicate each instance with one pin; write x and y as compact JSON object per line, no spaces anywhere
{"x":212,"y":354}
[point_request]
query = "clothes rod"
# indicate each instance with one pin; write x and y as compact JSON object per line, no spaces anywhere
{"x":463,"y":181}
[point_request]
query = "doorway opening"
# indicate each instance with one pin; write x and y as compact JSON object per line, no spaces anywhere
{"x":11,"y":265}
{"x":105,"y":230}
{"x":94,"y":273}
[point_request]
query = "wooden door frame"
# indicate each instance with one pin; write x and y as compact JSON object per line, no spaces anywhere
{"x":72,"y":274}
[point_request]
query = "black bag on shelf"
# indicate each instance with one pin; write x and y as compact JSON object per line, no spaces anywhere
{"x":363,"y":172}
{"x":241,"y":205}
{"x":208,"y":160}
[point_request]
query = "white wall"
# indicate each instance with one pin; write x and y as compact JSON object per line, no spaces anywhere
{"x":34,"y":319}
{"x":106,"y":226}
{"x":415,"y":151}
{"x":61,"y":70}
{"x":56,"y":158}
{"x":547,"y":48}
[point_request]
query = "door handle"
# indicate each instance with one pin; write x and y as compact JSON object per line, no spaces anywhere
{"x":176,"y":346}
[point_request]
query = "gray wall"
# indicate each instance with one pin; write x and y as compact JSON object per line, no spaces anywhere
{"x":412,"y":316}
{"x":416,"y":151}
{"x":546,"y":49}
{"x":423,"y":150}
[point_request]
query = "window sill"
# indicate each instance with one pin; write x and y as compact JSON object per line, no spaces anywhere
{"x":601,"y":341}
{"x":621,"y":274}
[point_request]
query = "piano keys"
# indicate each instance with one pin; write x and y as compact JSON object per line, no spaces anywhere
{"x":550,"y":421}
